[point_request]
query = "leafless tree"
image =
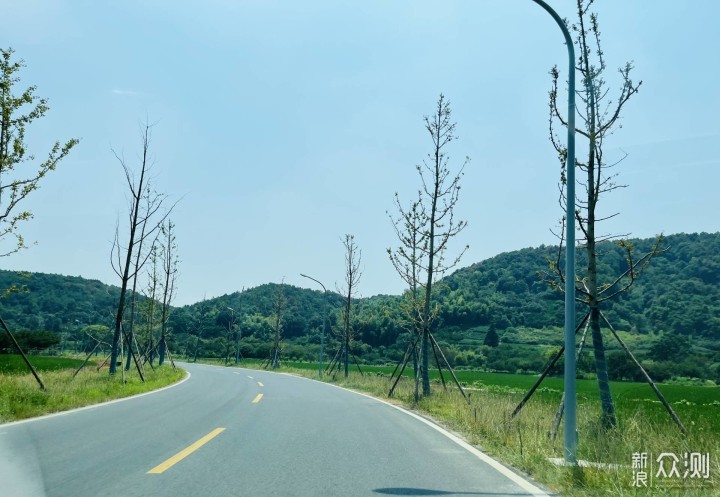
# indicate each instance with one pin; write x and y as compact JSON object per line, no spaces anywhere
{"x":145,"y":217}
{"x":599,"y":115}
{"x":279,"y":305}
{"x":149,"y":308}
{"x":353,"y":257}
{"x":407,"y":259}
{"x":168,"y":250}
{"x":438,"y":197}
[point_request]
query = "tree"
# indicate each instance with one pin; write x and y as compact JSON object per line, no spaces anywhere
{"x":491,"y":338}
{"x":599,"y":118}
{"x":145,"y":205}
{"x":353,"y":257}
{"x":279,"y":305}
{"x":408,"y":261}
{"x":149,"y":309}
{"x":168,"y":248}
{"x":18,"y":176}
{"x":439,"y":195}
{"x":671,"y":347}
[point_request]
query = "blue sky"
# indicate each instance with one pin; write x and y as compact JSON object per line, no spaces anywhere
{"x":283,"y":125}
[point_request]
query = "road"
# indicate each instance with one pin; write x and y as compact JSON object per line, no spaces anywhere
{"x":238,"y":432}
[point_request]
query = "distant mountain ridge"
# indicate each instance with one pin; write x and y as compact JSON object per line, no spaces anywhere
{"x":678,"y":293}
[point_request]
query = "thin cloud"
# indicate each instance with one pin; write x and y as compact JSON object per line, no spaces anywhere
{"x":127,"y":93}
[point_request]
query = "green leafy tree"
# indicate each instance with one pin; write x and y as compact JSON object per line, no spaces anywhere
{"x":491,"y":338}
{"x":20,"y":175}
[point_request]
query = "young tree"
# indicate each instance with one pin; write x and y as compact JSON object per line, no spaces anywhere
{"x":440,"y":193}
{"x":145,"y":207}
{"x":19,"y":174}
{"x":168,"y":248}
{"x":139,"y":258}
{"x":149,"y":308}
{"x":16,"y":181}
{"x":408,"y":261}
{"x":599,"y":117}
{"x":353,"y":256}
{"x":279,"y":304}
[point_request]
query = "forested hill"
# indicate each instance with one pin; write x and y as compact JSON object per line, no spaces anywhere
{"x":678,"y":293}
{"x":51,"y":302}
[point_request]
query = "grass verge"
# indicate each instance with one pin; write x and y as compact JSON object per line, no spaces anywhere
{"x":523,"y":442}
{"x":21,"y":398}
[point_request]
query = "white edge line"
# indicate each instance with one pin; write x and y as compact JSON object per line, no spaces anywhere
{"x":498,"y":466}
{"x":93,"y":406}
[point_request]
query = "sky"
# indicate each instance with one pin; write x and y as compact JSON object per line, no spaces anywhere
{"x":280,"y":126}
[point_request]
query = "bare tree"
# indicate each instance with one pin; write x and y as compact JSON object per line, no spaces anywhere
{"x":599,"y":116}
{"x":440,"y":193}
{"x":168,"y":250}
{"x":149,"y":309}
{"x":139,"y":258}
{"x":408,"y":261}
{"x":353,"y":256}
{"x":279,"y":304}
{"x":145,"y":209}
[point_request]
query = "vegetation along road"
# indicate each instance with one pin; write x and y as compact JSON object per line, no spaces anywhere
{"x":228,"y":431}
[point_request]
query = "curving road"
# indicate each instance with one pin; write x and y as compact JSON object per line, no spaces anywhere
{"x":237,"y":432}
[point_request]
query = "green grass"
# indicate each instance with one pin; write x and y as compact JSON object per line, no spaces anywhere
{"x":14,"y":363}
{"x":21,"y":397}
{"x":523,"y":442}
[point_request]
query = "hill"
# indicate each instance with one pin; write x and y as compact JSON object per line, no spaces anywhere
{"x":676,"y":298}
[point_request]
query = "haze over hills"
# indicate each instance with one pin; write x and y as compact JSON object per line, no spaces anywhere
{"x":678,"y":295}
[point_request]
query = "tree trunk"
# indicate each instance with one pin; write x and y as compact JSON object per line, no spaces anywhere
{"x":608,"y":408}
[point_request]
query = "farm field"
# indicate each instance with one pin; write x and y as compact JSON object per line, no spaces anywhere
{"x":14,"y":364}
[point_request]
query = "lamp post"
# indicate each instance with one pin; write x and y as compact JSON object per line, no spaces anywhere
{"x":322,"y":336}
{"x":570,"y":432}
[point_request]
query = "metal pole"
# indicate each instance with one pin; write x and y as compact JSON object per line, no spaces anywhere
{"x":322,"y":336}
{"x":570,"y":433}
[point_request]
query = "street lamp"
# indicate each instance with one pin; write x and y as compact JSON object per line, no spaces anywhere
{"x":322,"y":336}
{"x":570,"y":432}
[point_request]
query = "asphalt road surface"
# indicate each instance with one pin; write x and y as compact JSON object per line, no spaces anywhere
{"x":238,"y":432}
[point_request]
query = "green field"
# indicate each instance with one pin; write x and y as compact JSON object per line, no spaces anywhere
{"x":551,"y":387}
{"x":14,"y":364}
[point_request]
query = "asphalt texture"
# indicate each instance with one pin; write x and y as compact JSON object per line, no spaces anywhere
{"x":302,"y":438}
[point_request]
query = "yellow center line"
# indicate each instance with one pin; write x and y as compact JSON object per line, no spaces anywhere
{"x":257,"y":399}
{"x":162,"y":467}
{"x":260,"y":384}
